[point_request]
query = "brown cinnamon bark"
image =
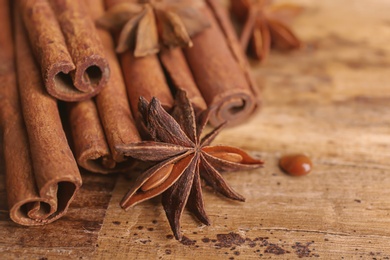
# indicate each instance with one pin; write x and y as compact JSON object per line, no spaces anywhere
{"x":180,"y":76}
{"x":221,"y":71}
{"x":143,"y":76}
{"x":112,"y":102}
{"x":89,"y":142}
{"x":94,"y":137}
{"x":41,"y":173}
{"x":67,"y":48}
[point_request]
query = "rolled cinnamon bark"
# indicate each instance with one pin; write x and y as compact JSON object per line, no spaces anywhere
{"x":89,"y":142}
{"x":67,"y":47}
{"x":180,"y":76}
{"x":221,"y":71}
{"x":41,"y":172}
{"x":143,"y":76}
{"x":112,"y":102}
{"x":94,"y":137}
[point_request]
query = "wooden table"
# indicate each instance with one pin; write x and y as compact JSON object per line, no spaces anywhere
{"x":331,"y":100}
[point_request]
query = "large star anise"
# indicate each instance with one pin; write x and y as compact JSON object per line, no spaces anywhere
{"x":184,"y":158}
{"x":266,"y":25}
{"x":146,"y":24}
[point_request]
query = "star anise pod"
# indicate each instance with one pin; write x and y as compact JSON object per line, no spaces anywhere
{"x":145,"y":24}
{"x":266,"y":25}
{"x":183,"y":159}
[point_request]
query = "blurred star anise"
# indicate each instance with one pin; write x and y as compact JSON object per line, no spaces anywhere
{"x":266,"y":25}
{"x":145,"y":24}
{"x":183,"y":159}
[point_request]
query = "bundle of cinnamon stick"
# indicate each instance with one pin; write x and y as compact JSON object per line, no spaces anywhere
{"x":61,"y":55}
{"x":214,"y":71}
{"x":41,"y":172}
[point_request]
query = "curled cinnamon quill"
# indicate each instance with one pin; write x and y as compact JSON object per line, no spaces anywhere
{"x":42,"y":176}
{"x":145,"y":24}
{"x":221,"y":70}
{"x":98,"y":125}
{"x":66,"y":46}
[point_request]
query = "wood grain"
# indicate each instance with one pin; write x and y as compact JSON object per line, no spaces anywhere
{"x":331,"y":101}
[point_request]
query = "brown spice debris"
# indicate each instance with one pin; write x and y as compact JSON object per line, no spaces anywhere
{"x":275,"y":249}
{"x":187,"y":241}
{"x":228,"y":240}
{"x":302,"y":250}
{"x":67,"y":47}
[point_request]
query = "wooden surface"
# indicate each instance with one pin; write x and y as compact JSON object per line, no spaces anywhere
{"x":330,"y":100}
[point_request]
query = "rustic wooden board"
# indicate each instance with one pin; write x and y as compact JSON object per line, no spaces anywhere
{"x":331,"y":100}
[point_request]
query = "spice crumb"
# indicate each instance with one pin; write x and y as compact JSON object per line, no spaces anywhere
{"x":275,"y":249}
{"x":187,"y":242}
{"x":205,"y":240}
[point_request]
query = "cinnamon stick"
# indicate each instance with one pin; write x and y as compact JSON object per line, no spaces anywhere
{"x":98,"y":126}
{"x":41,"y":173}
{"x":113,"y":105}
{"x":181,"y":77}
{"x":89,"y":142}
{"x":143,"y":76}
{"x":221,"y":71}
{"x":67,"y":48}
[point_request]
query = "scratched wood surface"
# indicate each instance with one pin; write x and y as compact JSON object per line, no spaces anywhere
{"x":330,"y":100}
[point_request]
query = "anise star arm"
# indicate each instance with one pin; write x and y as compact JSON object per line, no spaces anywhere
{"x":163,"y":127}
{"x":184,"y":114}
{"x":260,"y":43}
{"x":215,"y":180}
{"x":282,"y":36}
{"x":151,"y":151}
{"x":230,"y":159}
{"x":146,"y":38}
{"x":156,"y":180}
{"x":195,"y":201}
{"x":173,"y":31}
{"x":175,"y":198}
